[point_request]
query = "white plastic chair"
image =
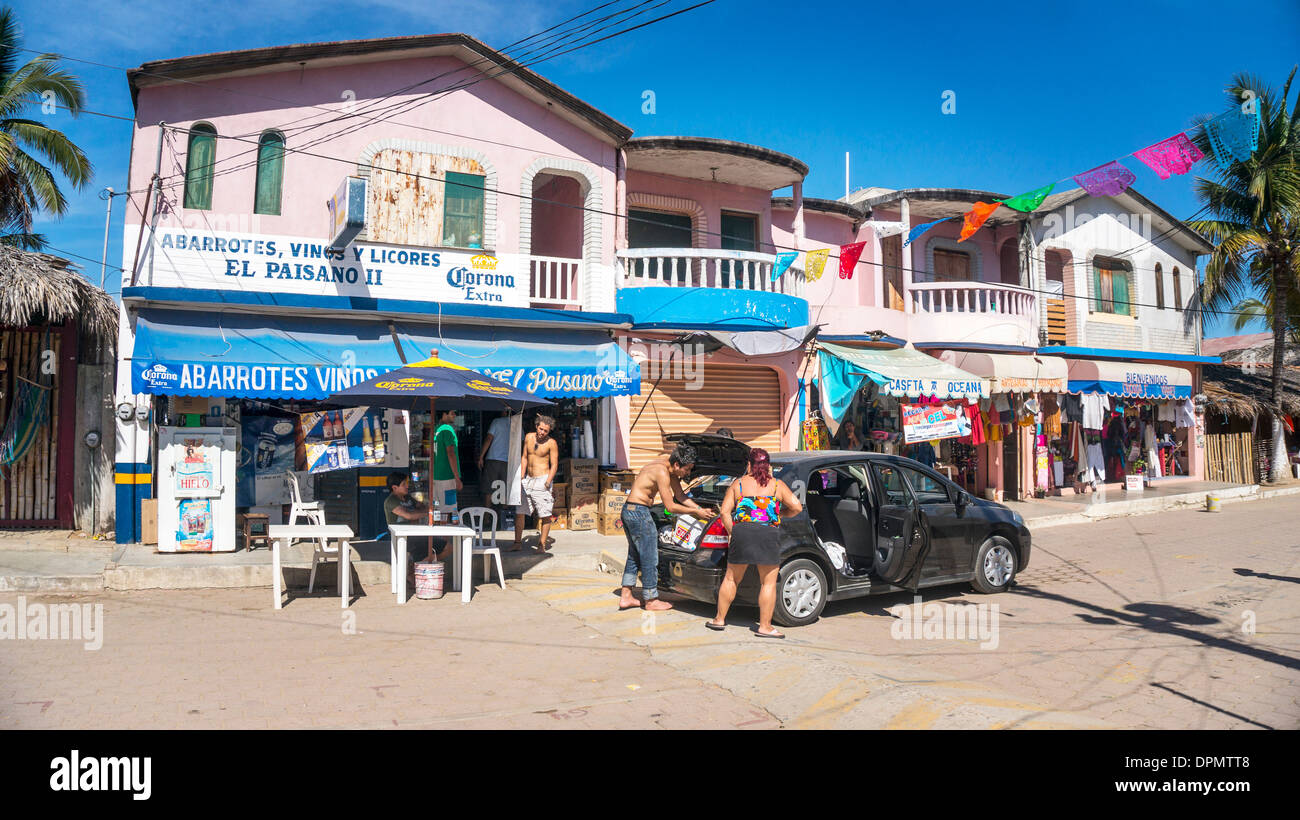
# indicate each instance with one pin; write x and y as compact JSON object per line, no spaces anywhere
{"x":315,"y":514}
{"x":475,"y":518}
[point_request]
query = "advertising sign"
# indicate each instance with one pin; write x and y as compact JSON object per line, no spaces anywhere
{"x":197,"y":474}
{"x":266,"y":453}
{"x":240,"y":261}
{"x":194,"y":525}
{"x":351,"y":437}
{"x":926,"y":422}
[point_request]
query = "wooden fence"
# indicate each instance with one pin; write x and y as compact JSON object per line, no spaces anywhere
{"x":1230,"y":457}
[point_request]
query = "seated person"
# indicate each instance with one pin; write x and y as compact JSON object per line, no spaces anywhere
{"x":400,"y":508}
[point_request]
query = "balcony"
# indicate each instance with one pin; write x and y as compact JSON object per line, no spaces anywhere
{"x":708,"y":288}
{"x":705,"y":268}
{"x":982,"y":312}
{"x":554,"y":282}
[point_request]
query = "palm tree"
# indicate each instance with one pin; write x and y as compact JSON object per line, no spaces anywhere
{"x":1255,"y":227}
{"x":1252,"y":310}
{"x":28,"y":185}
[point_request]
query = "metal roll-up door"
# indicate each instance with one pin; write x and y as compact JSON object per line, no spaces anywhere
{"x":744,"y":398}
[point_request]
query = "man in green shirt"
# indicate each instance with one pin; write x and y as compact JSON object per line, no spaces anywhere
{"x":446,"y":461}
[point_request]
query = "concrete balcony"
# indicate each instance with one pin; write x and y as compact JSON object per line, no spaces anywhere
{"x":972,"y":312}
{"x":705,"y":268}
{"x":703,"y":288}
{"x":554,"y":282}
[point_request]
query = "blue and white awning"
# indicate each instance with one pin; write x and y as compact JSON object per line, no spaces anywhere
{"x":243,"y":355}
{"x":1131,"y":379}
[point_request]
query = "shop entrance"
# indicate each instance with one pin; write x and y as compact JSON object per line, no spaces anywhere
{"x":1011,"y":465}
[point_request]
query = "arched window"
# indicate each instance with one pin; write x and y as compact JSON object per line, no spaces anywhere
{"x":199,"y":157}
{"x":270,"y":173}
{"x":1160,"y":287}
{"x":1178,"y":289}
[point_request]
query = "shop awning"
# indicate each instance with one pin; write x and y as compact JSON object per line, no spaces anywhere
{"x":243,"y":355}
{"x":903,"y":372}
{"x":1013,"y":374}
{"x":1132,"y":379}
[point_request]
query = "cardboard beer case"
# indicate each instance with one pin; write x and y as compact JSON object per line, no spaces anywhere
{"x":616,"y":480}
{"x":583,"y":520}
{"x":561,"y":520}
{"x":561,"y":495}
{"x":610,"y":524}
{"x":612,"y":501}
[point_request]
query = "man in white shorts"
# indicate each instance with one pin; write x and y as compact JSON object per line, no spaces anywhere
{"x":541,"y":459}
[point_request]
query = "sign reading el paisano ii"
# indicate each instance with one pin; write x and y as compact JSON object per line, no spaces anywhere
{"x":177,"y":257}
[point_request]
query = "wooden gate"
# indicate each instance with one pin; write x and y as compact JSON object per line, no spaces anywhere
{"x":37,"y":490}
{"x":1230,"y":457}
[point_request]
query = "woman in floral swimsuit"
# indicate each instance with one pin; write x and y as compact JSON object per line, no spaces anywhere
{"x":752,"y":515}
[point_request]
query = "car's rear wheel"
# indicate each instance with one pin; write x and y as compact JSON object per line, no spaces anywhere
{"x":995,"y":566}
{"x":800,"y":593}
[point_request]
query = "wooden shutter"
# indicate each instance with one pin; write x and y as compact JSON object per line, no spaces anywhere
{"x":951,"y":266}
{"x":744,"y":398}
{"x":1178,"y":289}
{"x":891,"y":256}
{"x":1160,"y":287}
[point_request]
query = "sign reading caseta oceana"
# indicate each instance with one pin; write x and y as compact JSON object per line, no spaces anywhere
{"x":285,"y":264}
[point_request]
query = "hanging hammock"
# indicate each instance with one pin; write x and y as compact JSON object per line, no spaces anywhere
{"x":30,"y":413}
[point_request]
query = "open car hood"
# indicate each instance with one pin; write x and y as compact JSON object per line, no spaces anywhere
{"x":715,"y":455}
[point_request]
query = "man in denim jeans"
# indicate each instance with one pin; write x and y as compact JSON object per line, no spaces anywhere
{"x":662,"y":477}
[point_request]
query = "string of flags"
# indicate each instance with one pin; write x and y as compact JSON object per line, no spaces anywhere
{"x":1233,"y":135}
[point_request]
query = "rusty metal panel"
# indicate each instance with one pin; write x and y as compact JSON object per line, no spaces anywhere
{"x":406,"y":195}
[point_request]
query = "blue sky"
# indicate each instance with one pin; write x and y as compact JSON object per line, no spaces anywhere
{"x":1042,"y":92}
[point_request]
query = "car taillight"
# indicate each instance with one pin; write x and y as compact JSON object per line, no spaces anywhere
{"x":715,"y":537}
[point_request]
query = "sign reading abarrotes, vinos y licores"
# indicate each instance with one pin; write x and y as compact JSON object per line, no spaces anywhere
{"x":218,"y":260}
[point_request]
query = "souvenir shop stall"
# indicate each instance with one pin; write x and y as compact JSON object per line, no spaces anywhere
{"x":1016,"y":441}
{"x":1126,"y":419}
{"x":901,"y":401}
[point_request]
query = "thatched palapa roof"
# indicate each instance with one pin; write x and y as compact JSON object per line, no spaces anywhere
{"x":36,"y":288}
{"x":1235,"y":392}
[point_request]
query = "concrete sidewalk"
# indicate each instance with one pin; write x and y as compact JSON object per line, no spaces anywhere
{"x":1114,"y":502}
{"x":61,"y":562}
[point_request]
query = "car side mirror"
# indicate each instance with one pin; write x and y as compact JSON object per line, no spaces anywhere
{"x":963,"y":499}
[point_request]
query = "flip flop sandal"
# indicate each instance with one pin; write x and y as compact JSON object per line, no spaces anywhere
{"x":777,"y":635}
{"x":714,"y":627}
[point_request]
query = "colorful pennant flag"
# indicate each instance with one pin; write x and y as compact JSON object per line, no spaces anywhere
{"x":849,"y":255}
{"x":1027,"y":203}
{"x":1175,"y":155}
{"x":1233,"y":136}
{"x":976,"y":217}
{"x":916,"y":232}
{"x":814,"y":263}
{"x":783,"y":263}
{"x":1110,"y":179}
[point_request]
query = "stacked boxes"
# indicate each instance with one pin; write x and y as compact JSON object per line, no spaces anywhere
{"x":580,"y":489}
{"x":614,"y":488}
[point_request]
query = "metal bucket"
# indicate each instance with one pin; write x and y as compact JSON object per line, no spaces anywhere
{"x":428,"y":580}
{"x":1211,"y":503}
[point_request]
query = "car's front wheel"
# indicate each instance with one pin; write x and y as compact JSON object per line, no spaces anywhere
{"x":800,"y":593}
{"x":995,"y":566}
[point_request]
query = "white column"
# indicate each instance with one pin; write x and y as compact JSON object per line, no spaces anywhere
{"x":798,"y":214}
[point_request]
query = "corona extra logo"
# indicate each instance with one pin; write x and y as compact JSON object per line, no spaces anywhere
{"x":479,"y":384}
{"x":411,"y":380}
{"x":483,"y":262}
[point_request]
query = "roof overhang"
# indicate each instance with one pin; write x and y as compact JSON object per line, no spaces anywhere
{"x":226,"y":64}
{"x":831,"y":207}
{"x":715,"y":160}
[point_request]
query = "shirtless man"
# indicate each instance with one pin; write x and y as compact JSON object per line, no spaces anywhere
{"x":541,"y":458}
{"x":662,"y":477}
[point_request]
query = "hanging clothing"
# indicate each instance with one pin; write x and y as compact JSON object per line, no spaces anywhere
{"x":1071,"y":407}
{"x":1167,"y":411}
{"x":1094,"y":410}
{"x":1185,"y":414}
{"x":1051,"y":417}
{"x":1153,"y":455}
{"x":976,"y":424}
{"x":1094,"y":472}
{"x":923,"y":452}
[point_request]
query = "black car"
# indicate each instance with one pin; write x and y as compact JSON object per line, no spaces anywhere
{"x":871,"y":524}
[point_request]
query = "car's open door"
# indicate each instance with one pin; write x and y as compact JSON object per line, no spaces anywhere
{"x":902,"y":538}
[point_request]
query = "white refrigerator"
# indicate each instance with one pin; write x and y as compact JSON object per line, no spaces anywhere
{"x":196,"y":489}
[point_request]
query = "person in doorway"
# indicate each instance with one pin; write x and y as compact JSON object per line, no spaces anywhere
{"x":446,"y":462}
{"x":400,"y":508}
{"x":492,"y":461}
{"x":541,"y":459}
{"x":661,"y":477}
{"x":752,"y":514}
{"x":848,"y":437}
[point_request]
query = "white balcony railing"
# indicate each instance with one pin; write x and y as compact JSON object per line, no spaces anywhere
{"x":554,"y":280}
{"x":972,"y":298}
{"x":705,"y":268}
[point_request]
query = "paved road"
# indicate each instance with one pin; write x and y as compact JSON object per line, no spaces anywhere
{"x":1134,"y":622}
